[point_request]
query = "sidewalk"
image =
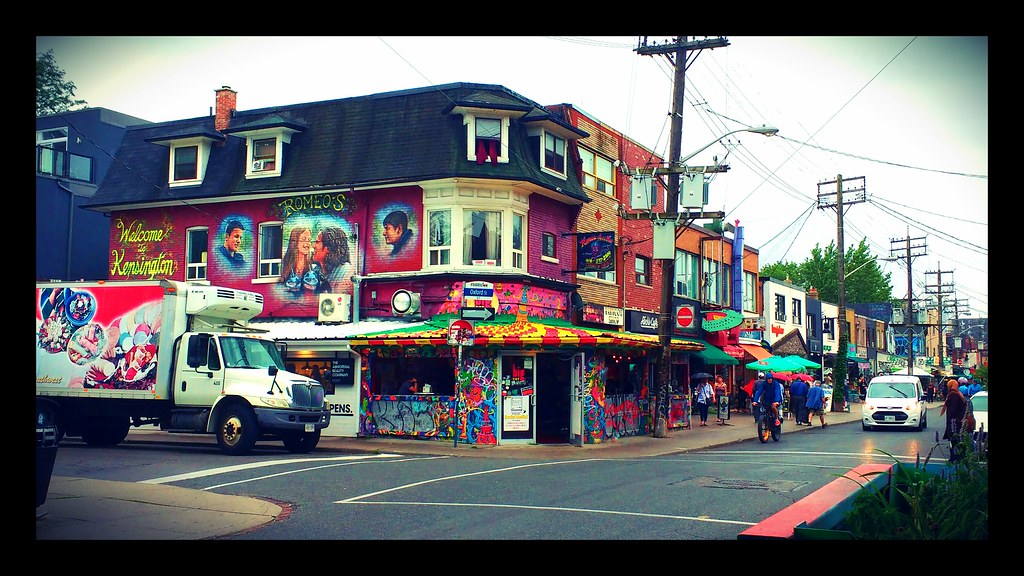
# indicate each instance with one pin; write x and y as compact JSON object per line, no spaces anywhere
{"x":81,"y":509}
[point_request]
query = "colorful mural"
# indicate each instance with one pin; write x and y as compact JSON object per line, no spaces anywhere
{"x":235,"y":244}
{"x":514,"y":298}
{"x":318,"y":254}
{"x":140,"y":249}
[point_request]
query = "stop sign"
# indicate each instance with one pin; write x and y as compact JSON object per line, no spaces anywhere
{"x":684,"y":317}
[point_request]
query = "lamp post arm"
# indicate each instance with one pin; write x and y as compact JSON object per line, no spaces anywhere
{"x":763,"y":130}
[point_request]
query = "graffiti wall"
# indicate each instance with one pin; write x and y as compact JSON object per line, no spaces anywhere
{"x":471,"y":413}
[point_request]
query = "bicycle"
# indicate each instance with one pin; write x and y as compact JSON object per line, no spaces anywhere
{"x":766,"y":427}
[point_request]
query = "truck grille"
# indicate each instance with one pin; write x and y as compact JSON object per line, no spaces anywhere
{"x":308,"y":396}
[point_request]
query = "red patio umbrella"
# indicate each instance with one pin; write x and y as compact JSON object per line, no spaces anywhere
{"x":804,"y":377}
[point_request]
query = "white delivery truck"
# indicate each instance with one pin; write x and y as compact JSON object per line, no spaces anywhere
{"x":114,"y":355}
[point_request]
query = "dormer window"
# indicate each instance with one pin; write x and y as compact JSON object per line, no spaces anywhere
{"x":554,"y":153}
{"x":189,"y":154}
{"x":488,"y":140}
{"x":186,"y":163}
{"x":264,"y":154}
{"x":265,"y":138}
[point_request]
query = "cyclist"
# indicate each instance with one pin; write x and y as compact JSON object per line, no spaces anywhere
{"x":770,"y":392}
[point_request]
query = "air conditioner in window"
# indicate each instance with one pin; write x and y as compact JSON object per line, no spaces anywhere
{"x":259,"y":165}
{"x":405,"y":303}
{"x":334,"y":308}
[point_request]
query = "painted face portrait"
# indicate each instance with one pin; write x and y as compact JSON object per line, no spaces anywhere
{"x":391,"y":234}
{"x":231,"y":249}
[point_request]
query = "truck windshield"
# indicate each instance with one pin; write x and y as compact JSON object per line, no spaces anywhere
{"x":242,"y":352}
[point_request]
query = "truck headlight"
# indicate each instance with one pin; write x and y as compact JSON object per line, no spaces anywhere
{"x":276,"y":402}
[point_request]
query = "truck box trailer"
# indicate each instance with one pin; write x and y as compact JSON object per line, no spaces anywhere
{"x":114,"y":355}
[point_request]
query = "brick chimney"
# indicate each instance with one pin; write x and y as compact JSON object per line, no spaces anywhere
{"x":226,"y":98}
{"x":813,"y":293}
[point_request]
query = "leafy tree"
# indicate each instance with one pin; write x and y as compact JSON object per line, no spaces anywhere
{"x":865,"y":281}
{"x":53,"y":93}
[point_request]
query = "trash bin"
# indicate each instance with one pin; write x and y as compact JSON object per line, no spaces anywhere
{"x":46,"y":446}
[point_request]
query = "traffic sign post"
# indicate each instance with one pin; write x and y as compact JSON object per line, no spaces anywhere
{"x":460,"y":333}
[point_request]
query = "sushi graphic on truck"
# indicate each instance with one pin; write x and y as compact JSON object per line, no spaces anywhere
{"x":114,"y":355}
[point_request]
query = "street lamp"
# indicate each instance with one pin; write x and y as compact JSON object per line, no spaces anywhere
{"x":763,"y":130}
{"x":665,"y":327}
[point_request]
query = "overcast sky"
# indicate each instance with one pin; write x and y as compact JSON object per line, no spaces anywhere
{"x":908,"y":114}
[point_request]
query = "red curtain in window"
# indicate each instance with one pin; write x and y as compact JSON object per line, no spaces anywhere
{"x":487,"y":149}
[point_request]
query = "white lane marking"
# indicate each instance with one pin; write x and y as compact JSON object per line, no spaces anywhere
{"x":458,"y":476}
{"x":558,"y":509}
{"x":258,"y":478}
{"x":251,"y":465}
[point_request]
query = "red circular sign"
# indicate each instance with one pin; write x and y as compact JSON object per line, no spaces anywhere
{"x":684,"y":317}
{"x":460,"y":330}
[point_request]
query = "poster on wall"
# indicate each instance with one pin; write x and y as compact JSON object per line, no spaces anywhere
{"x":516,"y":414}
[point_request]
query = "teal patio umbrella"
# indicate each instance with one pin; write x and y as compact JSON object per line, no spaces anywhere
{"x":803,"y":361}
{"x":775,"y":364}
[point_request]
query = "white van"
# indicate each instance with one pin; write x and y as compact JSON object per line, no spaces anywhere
{"x":894,"y":401}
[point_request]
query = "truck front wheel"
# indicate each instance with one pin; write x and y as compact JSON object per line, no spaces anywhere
{"x":301,"y":442}
{"x":237,"y":430}
{"x":105,"y":431}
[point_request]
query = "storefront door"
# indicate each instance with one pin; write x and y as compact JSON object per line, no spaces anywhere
{"x":518,"y":399}
{"x":576,"y":434}
{"x":554,"y":397}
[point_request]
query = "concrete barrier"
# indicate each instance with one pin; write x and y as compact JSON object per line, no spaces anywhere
{"x":822,"y":510}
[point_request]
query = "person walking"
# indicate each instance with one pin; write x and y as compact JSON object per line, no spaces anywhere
{"x":720,"y":393}
{"x":798,"y":400}
{"x":705,"y":395}
{"x":955,"y":407}
{"x":815,"y":403}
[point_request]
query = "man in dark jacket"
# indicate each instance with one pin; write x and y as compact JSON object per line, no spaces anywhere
{"x":798,"y":400}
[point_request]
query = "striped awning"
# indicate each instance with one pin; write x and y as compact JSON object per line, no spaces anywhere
{"x":515,"y":330}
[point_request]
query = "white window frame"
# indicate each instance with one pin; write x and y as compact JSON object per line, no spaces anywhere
{"x":798,"y":312}
{"x":643,"y":277}
{"x":749,"y":296}
{"x":544,"y":136}
{"x":553,"y":257}
{"x":469,"y":120}
{"x":780,"y":307}
{"x":518,"y":252}
{"x":594,"y":165}
{"x":55,"y":141}
{"x":202,"y":147}
{"x":196,"y":270}
{"x":251,"y":139}
{"x":686,"y":272}
{"x":439,"y":252}
{"x":270,"y":267}
{"x":458,"y":215}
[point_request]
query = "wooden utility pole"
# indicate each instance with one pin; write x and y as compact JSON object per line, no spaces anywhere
{"x":909,"y":316}
{"x":939,"y":289}
{"x":856,"y":193}
{"x":675,"y":51}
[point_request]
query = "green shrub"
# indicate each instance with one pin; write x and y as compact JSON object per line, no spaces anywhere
{"x":917,"y":504}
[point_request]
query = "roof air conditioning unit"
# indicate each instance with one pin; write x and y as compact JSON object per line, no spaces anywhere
{"x":334,"y":308}
{"x":405,"y":303}
{"x":259,"y":165}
